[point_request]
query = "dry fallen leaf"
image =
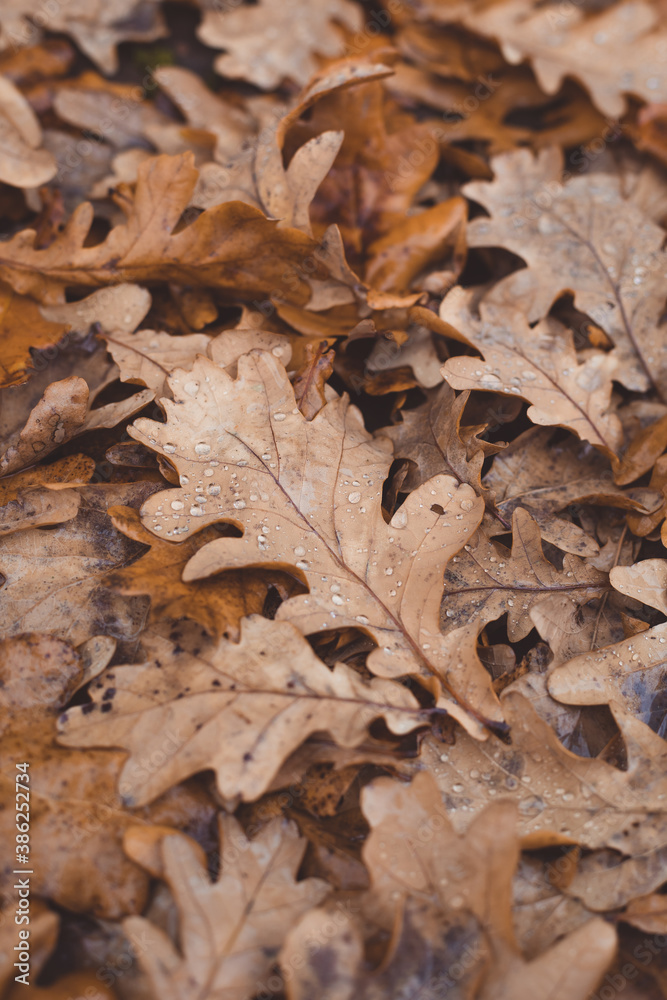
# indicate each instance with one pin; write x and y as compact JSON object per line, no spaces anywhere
{"x":562,"y":42}
{"x":581,"y":236}
{"x":247,"y":705}
{"x":231,"y":928}
{"x":536,"y":363}
{"x":300,"y":510}
{"x":72,"y":794}
{"x":302,"y":30}
{"x":22,"y":162}
{"x":96,"y":27}
{"x":53,"y":580}
{"x":217,"y":604}
{"x":254,"y":254}
{"x":486,"y":580}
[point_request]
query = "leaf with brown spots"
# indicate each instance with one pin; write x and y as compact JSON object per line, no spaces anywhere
{"x":240,"y":708}
{"x":73,"y":798}
{"x":307,"y":497}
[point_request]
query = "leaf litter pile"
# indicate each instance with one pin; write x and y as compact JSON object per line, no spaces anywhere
{"x":333,"y":486}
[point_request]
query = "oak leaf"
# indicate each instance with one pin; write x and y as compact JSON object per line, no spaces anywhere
{"x":630,"y":673}
{"x":562,"y":798}
{"x":217,"y":604}
{"x":22,"y":162}
{"x":307,"y":496}
{"x":431,"y":440}
{"x":148,"y":356}
{"x":43,"y":495}
{"x":53,"y":580}
{"x":414,"y":855}
{"x":268,"y":45}
{"x":239,"y":708}
{"x":546,"y":476}
{"x":77,"y":818}
{"x":486,"y":580}
{"x":96,"y":27}
{"x":232,"y":247}
{"x":593,"y":48}
{"x":583,"y":236}
{"x":536,"y":363}
{"x":232,"y":928}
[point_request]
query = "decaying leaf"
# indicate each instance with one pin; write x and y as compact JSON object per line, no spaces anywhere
{"x":146,"y":249}
{"x":231,"y":928}
{"x":275,"y":477}
{"x":581,"y":236}
{"x":246,"y":706}
{"x":53,"y":580}
{"x":487,"y":580}
{"x":539,"y":364}
{"x":72,"y":793}
{"x":303,"y":29}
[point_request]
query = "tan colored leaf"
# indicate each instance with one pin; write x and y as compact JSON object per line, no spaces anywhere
{"x":148,"y":356}
{"x":74,"y":470}
{"x":232,"y":247}
{"x":90,"y":101}
{"x":231,"y":124}
{"x":43,"y":495}
{"x":217,"y":604}
{"x":76,"y":818}
{"x":562,"y":798}
{"x":538,"y":364}
{"x":606,"y":880}
{"x":564,"y":42}
{"x":232,"y":928}
{"x":57,"y":416}
{"x":307,"y":496}
{"x":646,"y":582}
{"x":395,"y":260}
{"x":37,"y":421}
{"x":97,"y":27}
{"x":414,"y":854}
{"x":38,"y":507}
{"x":486,"y":580}
{"x":22,"y":162}
{"x":630,"y":673}
{"x":647,"y":913}
{"x":545,"y":476}
{"x":54,"y":579}
{"x":268,"y":45}
{"x":22,"y":327}
{"x":581,"y":236}
{"x":311,"y":378}
{"x":431,"y":439}
{"x":119,"y":308}
{"x":238,"y":708}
